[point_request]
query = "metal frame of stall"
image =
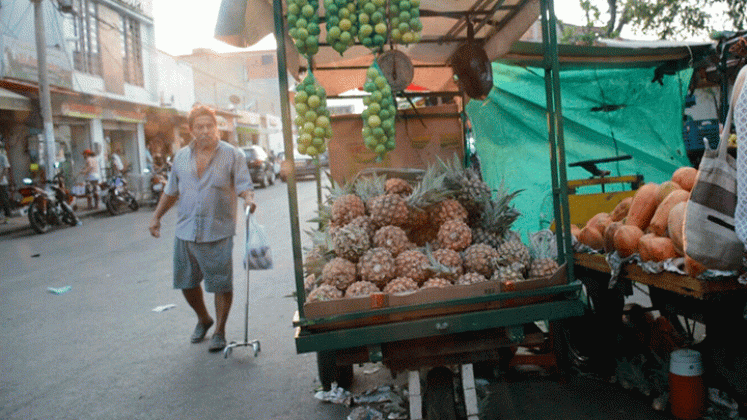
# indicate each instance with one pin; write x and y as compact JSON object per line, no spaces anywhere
{"x":373,"y":336}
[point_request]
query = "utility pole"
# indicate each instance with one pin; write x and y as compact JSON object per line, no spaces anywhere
{"x":45,"y":99}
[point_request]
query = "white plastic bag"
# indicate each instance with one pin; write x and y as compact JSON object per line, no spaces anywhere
{"x":258,"y":255}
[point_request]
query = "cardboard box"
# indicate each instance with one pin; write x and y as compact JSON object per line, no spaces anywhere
{"x":315,"y":310}
{"x":435,"y":132}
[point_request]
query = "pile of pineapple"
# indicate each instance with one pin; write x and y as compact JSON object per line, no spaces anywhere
{"x":386,"y":235}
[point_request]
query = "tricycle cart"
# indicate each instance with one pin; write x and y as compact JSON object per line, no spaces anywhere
{"x":459,"y":325}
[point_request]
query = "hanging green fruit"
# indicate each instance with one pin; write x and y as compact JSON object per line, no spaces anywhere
{"x":404,"y":20}
{"x":312,"y":117}
{"x":342,"y":23}
{"x":372,"y":28}
{"x":380,"y":113}
{"x":303,"y":25}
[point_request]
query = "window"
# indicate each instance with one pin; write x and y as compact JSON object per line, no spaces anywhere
{"x":82,"y":36}
{"x":132,"y":55}
{"x":266,"y":59}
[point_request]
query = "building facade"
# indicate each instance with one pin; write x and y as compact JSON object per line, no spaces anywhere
{"x":103,"y":80}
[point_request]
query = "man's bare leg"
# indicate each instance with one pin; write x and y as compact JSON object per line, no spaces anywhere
{"x":197,"y":302}
{"x":222,"y":308}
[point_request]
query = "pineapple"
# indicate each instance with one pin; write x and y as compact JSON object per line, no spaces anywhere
{"x":351,"y":242}
{"x":392,"y":238}
{"x":479,"y":258}
{"x":496,"y":219}
{"x":401,"y":285}
{"x":309,"y":283}
{"x":437,"y":282}
{"x":377,"y":266}
{"x":513,"y":250}
{"x":454,"y":234}
{"x":543,"y":259}
{"x":339,"y":273}
{"x":466,"y":185}
{"x":412,"y":264}
{"x":361,"y":288}
{"x":321,"y":252}
{"x":389,"y":209}
{"x":423,"y":236}
{"x":448,"y":209}
{"x":506,"y":274}
{"x":445,"y":263}
{"x":470,"y":278}
{"x":346,"y":208}
{"x":324,"y":293}
{"x":428,"y":192}
{"x":364,"y":222}
{"x":397,"y":186}
{"x":369,"y":187}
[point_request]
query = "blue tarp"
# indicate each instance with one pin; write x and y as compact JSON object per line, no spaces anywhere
{"x":607,"y":112}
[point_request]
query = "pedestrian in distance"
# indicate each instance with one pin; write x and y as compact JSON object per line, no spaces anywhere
{"x":4,"y":183}
{"x":92,"y":176}
{"x":206,"y":176}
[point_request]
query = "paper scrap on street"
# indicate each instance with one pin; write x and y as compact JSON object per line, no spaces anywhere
{"x":59,"y":290}
{"x":164,"y":307}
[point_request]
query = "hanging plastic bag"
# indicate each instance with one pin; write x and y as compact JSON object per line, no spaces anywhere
{"x":258,"y":255}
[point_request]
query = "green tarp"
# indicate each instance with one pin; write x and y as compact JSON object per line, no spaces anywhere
{"x":607,"y":112}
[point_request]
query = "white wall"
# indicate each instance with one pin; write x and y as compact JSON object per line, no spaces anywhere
{"x":175,"y":79}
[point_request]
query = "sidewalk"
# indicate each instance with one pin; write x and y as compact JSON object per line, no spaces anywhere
{"x":18,"y":223}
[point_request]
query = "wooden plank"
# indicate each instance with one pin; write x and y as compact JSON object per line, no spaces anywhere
{"x":673,"y":282}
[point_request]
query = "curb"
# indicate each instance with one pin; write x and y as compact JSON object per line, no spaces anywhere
{"x":20,"y":227}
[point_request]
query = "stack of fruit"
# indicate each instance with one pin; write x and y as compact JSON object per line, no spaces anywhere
{"x":303,"y":22}
{"x":312,"y":117}
{"x":649,"y":224}
{"x":405,"y":21}
{"x":342,"y":23}
{"x":380,"y":113}
{"x":372,"y":30}
{"x":387,"y":235}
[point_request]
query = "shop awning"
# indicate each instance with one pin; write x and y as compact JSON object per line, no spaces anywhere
{"x":243,"y":23}
{"x":14,"y":102}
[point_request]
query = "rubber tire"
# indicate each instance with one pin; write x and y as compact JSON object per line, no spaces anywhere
{"x":439,"y":402}
{"x":263,"y":180}
{"x":271,"y":177}
{"x":68,"y":215}
{"x":345,"y":376}
{"x":132,"y":203}
{"x":113,"y":204}
{"x":36,"y":219}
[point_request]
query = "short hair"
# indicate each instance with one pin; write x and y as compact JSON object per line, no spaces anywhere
{"x":199,"y":111}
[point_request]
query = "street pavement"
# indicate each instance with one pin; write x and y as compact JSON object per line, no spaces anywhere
{"x":99,"y":351}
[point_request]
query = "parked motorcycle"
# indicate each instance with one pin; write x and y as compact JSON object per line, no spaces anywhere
{"x":117,"y":197}
{"x":158,"y":182}
{"x":50,"y":205}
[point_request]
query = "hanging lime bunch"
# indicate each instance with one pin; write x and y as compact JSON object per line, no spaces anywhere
{"x":342,"y":23}
{"x":303,"y":23}
{"x":372,"y":29}
{"x":404,"y":17}
{"x":380,"y":113}
{"x":312,"y":117}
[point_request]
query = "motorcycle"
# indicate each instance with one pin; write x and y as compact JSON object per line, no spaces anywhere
{"x":158,"y":182}
{"x":50,"y":205}
{"x":117,"y":196}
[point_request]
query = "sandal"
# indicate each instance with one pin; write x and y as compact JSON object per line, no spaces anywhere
{"x":200,"y":332}
{"x":217,"y":343}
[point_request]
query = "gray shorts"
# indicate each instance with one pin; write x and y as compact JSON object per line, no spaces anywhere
{"x":211,"y":261}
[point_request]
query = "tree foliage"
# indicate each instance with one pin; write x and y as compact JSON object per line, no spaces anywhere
{"x":666,"y":19}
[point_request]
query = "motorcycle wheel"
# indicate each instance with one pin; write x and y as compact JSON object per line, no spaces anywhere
{"x":133,"y":203}
{"x":68,"y":215}
{"x":37,"y":219}
{"x":113,"y":204}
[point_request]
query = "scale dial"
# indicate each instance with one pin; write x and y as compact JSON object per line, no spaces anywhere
{"x":397,"y":68}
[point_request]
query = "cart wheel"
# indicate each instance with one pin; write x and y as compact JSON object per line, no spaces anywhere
{"x":256,"y":348}
{"x":439,"y":394}
{"x":345,"y":376}
{"x":326,"y":363}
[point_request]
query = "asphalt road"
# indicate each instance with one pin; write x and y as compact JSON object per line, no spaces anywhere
{"x":99,"y":351}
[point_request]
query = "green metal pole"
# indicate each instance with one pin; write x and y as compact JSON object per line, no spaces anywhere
{"x":556,"y":135}
{"x":288,"y":141}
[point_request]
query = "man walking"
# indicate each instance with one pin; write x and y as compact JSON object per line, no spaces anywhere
{"x":205,"y":178}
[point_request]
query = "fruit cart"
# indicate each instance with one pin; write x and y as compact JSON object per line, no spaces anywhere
{"x":457,"y":325}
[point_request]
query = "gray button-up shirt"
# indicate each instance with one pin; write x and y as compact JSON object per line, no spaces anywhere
{"x":207,"y":205}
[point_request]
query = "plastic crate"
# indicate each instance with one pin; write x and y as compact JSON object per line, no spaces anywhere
{"x":693,"y":133}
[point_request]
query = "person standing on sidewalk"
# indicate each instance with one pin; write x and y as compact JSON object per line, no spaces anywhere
{"x":4,"y":182}
{"x":206,"y":175}
{"x":92,"y":175}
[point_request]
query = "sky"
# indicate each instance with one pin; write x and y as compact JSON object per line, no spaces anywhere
{"x":182,"y":25}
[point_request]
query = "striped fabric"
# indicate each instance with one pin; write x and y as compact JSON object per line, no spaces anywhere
{"x":709,"y":220}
